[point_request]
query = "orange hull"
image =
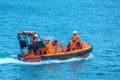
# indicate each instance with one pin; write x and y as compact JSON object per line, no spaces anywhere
{"x":82,"y":53}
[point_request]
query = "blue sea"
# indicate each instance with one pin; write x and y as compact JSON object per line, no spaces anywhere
{"x":97,"y":22}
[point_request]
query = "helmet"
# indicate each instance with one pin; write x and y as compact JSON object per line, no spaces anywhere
{"x":75,"y":32}
{"x":36,"y":35}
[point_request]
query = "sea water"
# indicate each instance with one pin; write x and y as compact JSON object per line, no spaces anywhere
{"x":97,"y":22}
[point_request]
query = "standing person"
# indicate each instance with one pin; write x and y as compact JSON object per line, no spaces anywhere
{"x":35,"y":38}
{"x":35,"y":47}
{"x":74,"y":40}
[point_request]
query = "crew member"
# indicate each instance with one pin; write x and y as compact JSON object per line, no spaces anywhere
{"x":74,"y":40}
{"x":35,"y":49}
{"x":35,"y":38}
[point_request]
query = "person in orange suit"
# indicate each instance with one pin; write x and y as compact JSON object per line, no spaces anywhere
{"x":74,"y":40}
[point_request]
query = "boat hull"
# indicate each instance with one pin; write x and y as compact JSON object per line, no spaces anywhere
{"x":64,"y":56}
{"x":79,"y":54}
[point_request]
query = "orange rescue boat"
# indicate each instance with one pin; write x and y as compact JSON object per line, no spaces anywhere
{"x":35,"y":49}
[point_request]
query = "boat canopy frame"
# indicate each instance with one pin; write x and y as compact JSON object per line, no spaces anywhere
{"x":25,"y":39}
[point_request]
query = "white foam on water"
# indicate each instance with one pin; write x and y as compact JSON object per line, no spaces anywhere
{"x":8,"y":60}
{"x":89,"y":57}
{"x":16,"y":61}
{"x":14,"y":56}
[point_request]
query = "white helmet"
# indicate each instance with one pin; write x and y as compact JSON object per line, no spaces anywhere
{"x":36,"y":35}
{"x":75,"y":32}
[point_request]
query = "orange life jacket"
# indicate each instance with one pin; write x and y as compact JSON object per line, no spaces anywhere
{"x":75,"y":37}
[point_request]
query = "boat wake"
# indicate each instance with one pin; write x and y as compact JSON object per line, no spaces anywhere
{"x":13,"y":60}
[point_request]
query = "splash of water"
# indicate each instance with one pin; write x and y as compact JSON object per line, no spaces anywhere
{"x":16,"y":61}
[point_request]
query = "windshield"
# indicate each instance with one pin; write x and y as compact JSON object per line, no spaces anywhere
{"x":49,"y":38}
